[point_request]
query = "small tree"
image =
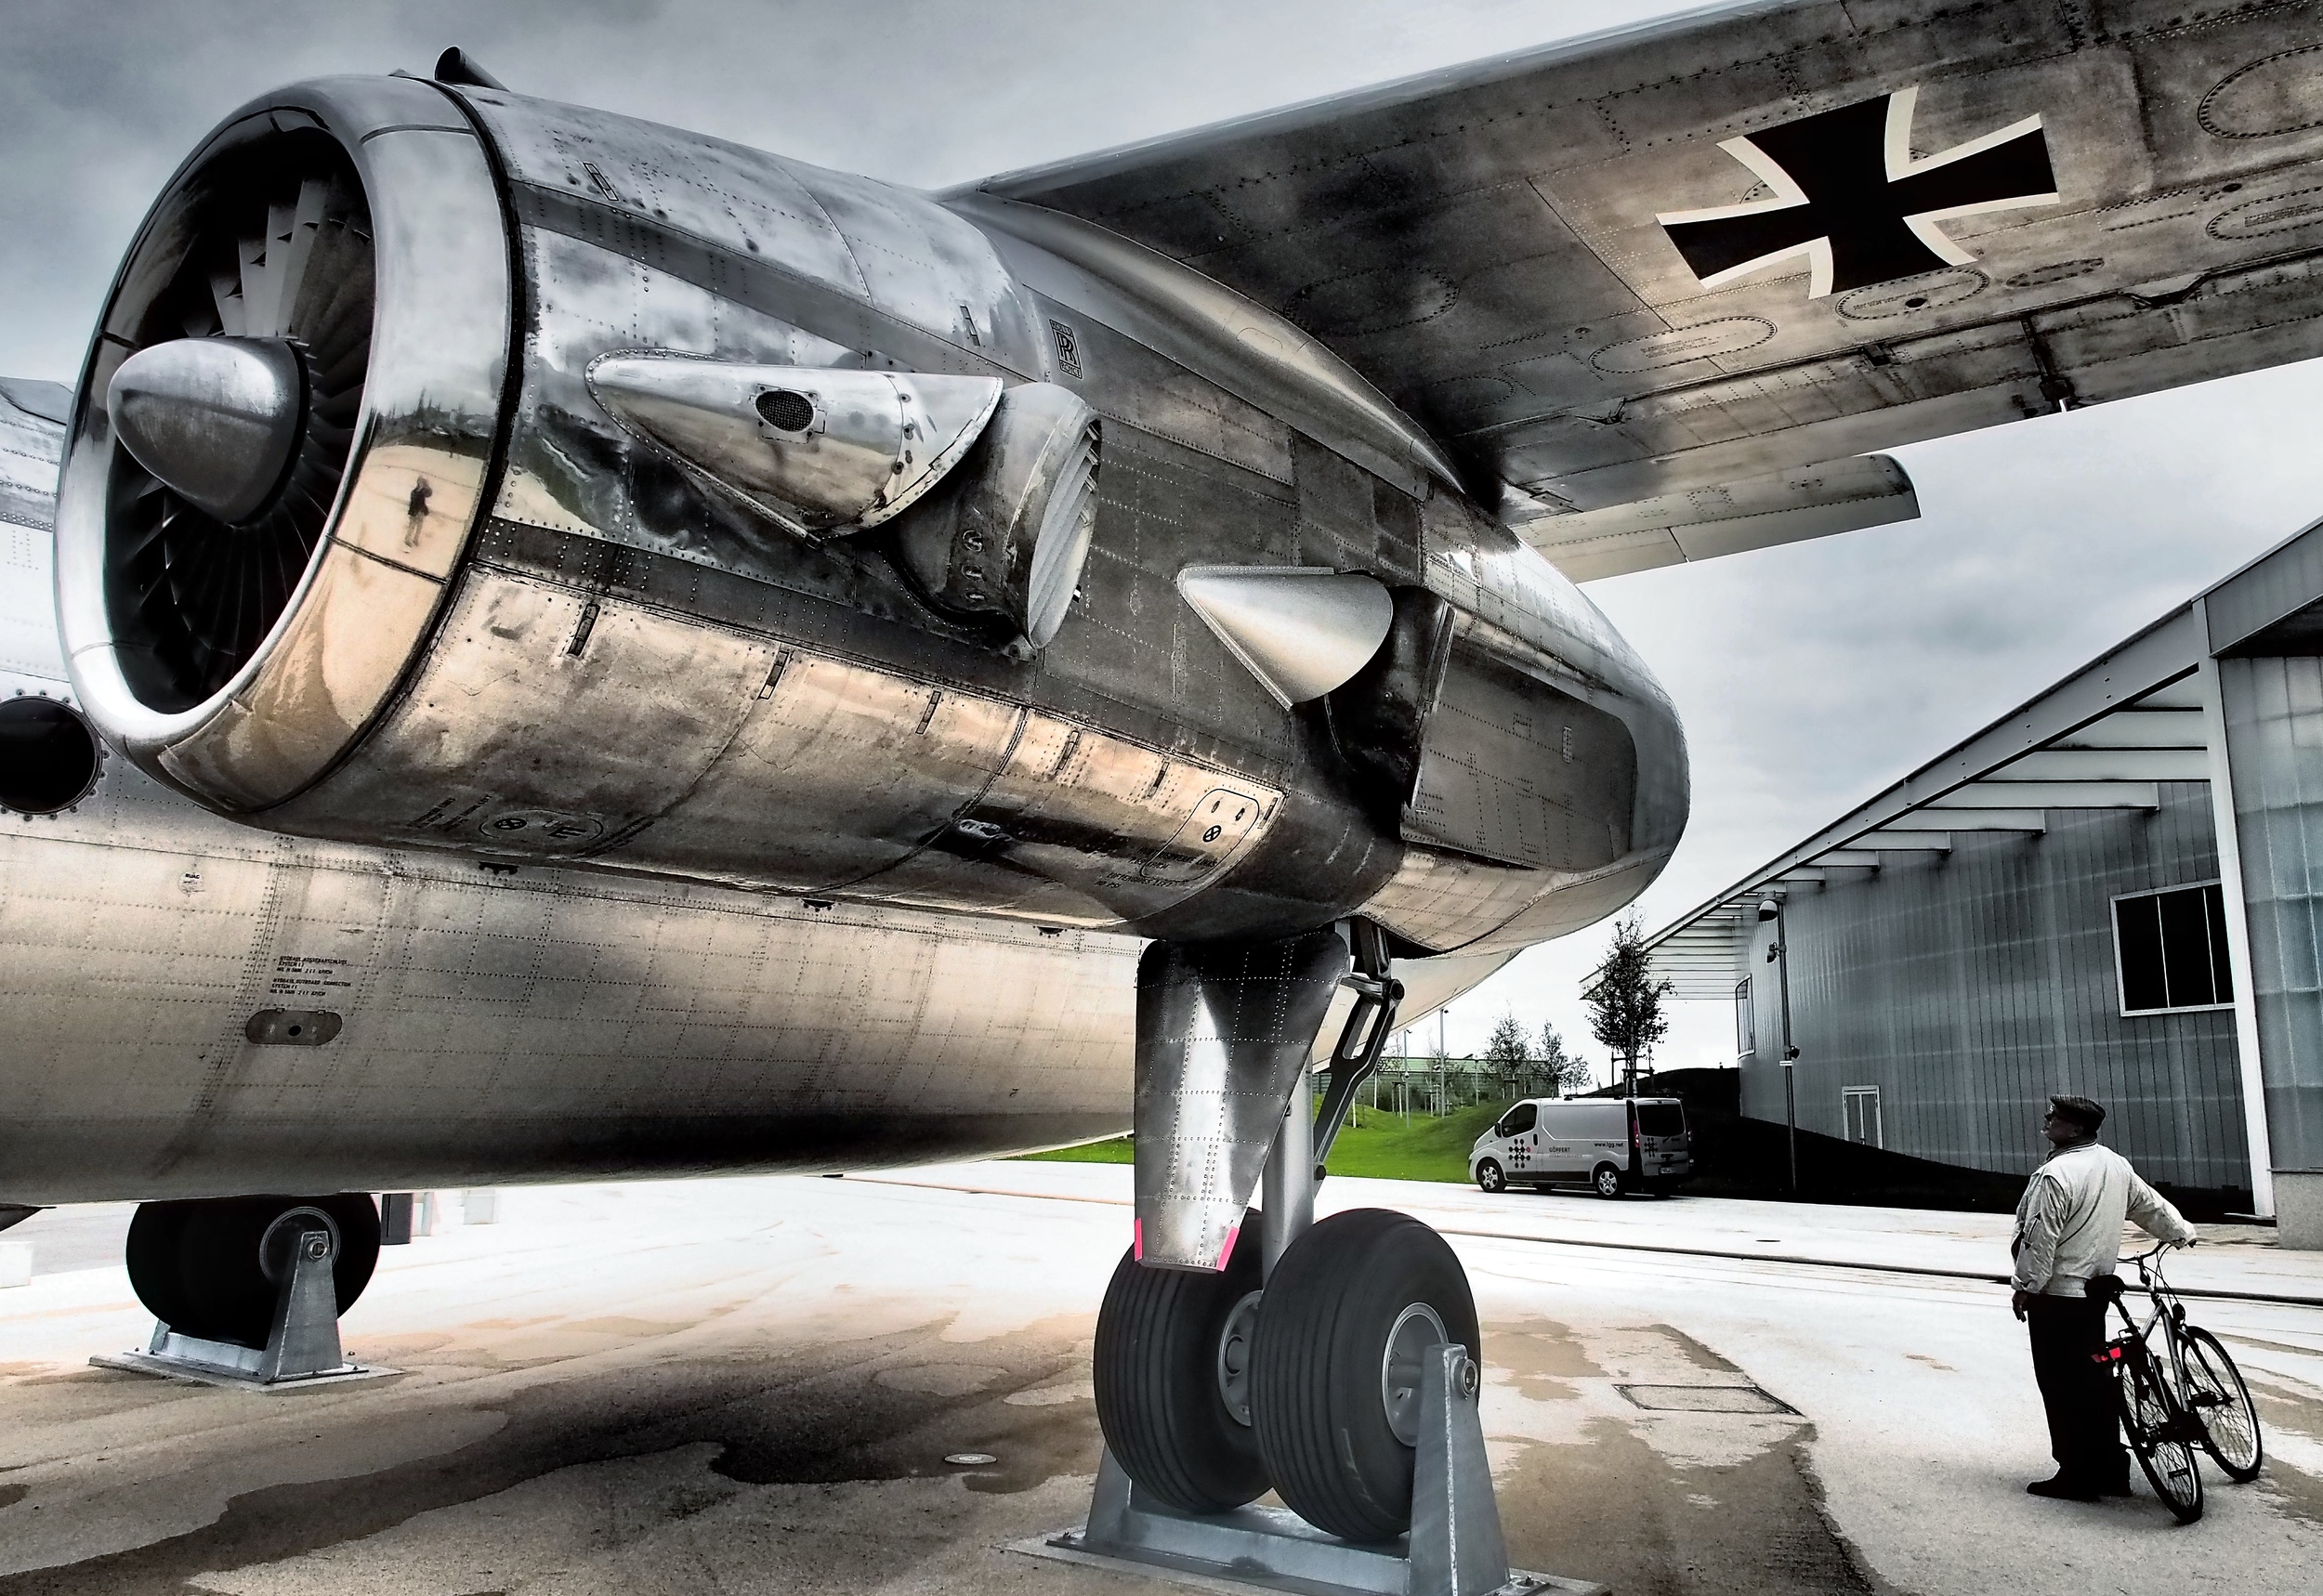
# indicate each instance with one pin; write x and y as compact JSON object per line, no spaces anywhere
{"x":1625,"y":998}
{"x":1566,"y":1072}
{"x":1506,"y":1052}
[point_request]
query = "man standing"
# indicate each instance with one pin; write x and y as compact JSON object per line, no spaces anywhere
{"x":2068,"y":1232}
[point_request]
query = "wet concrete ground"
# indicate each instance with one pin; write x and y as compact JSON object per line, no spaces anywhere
{"x":747,"y":1386}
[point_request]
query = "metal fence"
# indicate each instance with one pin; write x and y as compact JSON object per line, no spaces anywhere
{"x":1423,"y":1087}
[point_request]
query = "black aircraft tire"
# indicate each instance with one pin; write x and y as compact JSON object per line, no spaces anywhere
{"x":1158,"y":1391}
{"x":1317,"y":1398}
{"x":195,"y":1265}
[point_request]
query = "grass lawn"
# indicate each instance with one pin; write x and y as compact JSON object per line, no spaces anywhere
{"x":1380,"y":1145}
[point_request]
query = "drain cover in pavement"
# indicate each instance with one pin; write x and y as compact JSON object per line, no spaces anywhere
{"x":1704,"y":1399}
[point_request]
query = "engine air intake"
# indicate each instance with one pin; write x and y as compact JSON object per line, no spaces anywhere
{"x":283,"y":435}
{"x":235,"y":414}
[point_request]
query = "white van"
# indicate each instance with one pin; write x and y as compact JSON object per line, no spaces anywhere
{"x":1613,"y":1143}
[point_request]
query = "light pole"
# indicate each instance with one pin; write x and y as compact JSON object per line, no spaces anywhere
{"x":1443,"y":1059}
{"x":1779,"y":955}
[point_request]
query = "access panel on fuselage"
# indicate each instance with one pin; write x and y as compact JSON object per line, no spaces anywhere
{"x":1512,"y":769}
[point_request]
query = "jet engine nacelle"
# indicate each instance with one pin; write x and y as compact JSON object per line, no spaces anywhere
{"x":462,"y":470}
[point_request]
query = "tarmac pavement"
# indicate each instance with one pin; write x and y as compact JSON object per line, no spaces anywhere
{"x":751,"y":1386}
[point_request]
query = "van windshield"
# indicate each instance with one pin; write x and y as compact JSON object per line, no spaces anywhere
{"x":1662,"y":1120}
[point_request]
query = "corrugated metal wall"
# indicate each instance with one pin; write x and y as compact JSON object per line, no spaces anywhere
{"x":2275,"y":742}
{"x":1968,"y":987}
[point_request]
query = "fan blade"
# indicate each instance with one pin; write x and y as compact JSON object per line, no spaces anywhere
{"x":297,"y":248}
{"x":257,"y":294}
{"x":226,"y":293}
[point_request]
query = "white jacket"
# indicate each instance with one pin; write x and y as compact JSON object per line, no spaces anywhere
{"x":2068,"y":1224}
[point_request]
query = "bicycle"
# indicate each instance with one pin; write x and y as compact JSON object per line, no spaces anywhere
{"x":2189,"y":1394}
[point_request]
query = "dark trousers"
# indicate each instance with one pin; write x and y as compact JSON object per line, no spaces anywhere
{"x":2084,"y":1425}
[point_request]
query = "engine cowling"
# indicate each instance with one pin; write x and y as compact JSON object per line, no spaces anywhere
{"x":407,"y":624}
{"x":462,"y":470}
{"x":353,"y":227}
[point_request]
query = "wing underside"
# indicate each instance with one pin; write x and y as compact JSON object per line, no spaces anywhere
{"x":1737,"y":249}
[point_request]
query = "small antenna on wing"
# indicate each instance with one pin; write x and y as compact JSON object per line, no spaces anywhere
{"x":457,"y":66}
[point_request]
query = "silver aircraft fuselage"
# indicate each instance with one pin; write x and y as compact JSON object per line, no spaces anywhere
{"x":529,"y":790}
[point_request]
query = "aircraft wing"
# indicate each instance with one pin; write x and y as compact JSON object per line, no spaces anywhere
{"x":32,"y":417}
{"x":1669,"y":270}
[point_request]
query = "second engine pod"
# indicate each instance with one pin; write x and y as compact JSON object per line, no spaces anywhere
{"x":824,"y":451}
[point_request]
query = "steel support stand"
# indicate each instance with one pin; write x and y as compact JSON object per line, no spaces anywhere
{"x":302,"y":1345}
{"x":1455,"y":1547}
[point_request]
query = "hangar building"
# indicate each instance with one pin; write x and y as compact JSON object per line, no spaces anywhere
{"x":2116,"y":889}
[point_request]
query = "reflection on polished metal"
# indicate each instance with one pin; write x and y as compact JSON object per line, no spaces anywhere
{"x":820,"y":451}
{"x":216,"y":418}
{"x":1203,"y":326}
{"x":1223,"y":1029}
{"x":1301,"y":631}
{"x":1456,"y":1546}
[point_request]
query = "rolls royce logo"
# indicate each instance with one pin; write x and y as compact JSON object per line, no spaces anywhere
{"x":1850,"y":198}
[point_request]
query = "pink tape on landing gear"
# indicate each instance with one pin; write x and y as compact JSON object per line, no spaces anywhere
{"x":1138,"y":1239}
{"x":1233,"y":1232}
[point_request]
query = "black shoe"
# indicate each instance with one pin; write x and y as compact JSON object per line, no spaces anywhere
{"x":2067,"y":1490}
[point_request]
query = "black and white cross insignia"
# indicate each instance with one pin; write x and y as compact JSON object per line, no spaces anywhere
{"x":1850,"y":198}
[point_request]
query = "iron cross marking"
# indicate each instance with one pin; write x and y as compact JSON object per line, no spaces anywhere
{"x":1850,"y":198}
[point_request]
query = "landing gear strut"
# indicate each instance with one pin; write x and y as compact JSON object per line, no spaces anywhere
{"x":248,"y":1291}
{"x":1335,"y":1361}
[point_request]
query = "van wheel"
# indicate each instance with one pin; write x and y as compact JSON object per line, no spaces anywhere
{"x":1172,"y":1365}
{"x":1489,"y":1176}
{"x":1344,"y":1333}
{"x":1607,"y":1181}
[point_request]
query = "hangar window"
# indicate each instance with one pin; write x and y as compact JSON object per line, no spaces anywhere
{"x":2170,"y":949}
{"x":1861,"y":1108}
{"x":1745,"y":1023}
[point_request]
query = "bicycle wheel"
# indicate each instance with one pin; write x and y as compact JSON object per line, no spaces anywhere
{"x":2221,"y":1403}
{"x":2156,"y":1429}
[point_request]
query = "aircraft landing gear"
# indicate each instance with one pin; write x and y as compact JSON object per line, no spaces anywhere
{"x":1334,"y":1360}
{"x":248,"y":1291}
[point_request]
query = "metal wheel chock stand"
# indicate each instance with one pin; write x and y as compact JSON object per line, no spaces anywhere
{"x":1454,"y":1549}
{"x":302,"y":1346}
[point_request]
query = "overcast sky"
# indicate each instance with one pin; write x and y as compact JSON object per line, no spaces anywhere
{"x":1809,"y":676}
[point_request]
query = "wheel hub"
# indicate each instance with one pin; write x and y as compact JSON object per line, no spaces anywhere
{"x":1234,"y":1350}
{"x":279,"y":1247}
{"x":1402,"y":1366}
